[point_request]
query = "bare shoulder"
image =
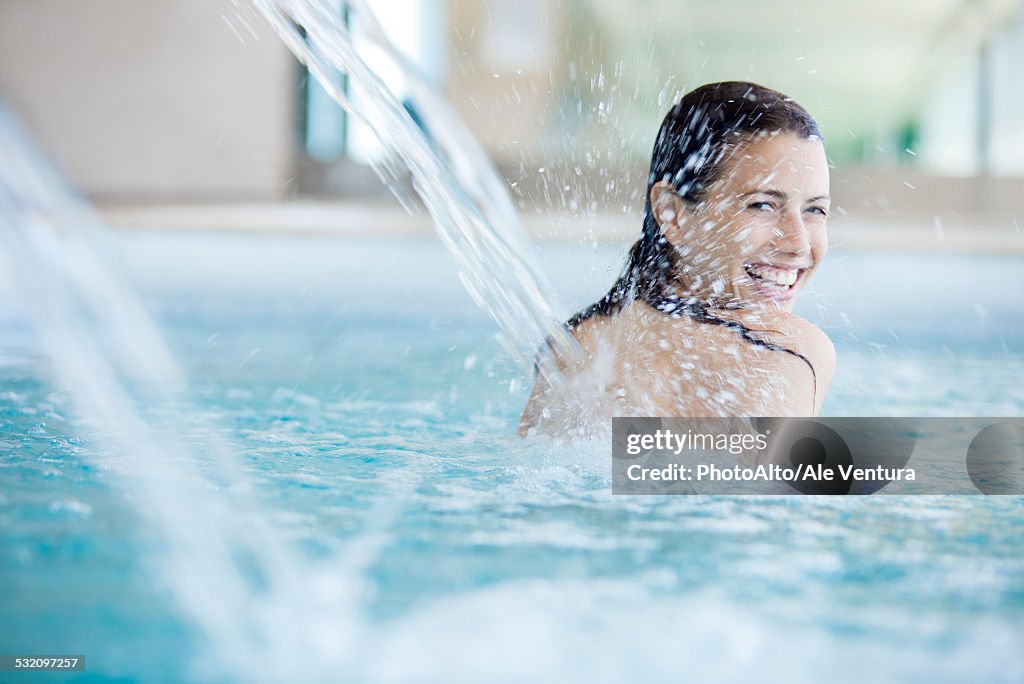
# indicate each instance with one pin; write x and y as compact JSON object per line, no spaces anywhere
{"x":798,"y":335}
{"x":566,"y":377}
{"x":553,"y":361}
{"x":588,"y":335}
{"x":813,"y":343}
{"x":791,"y":331}
{"x":801,"y":332}
{"x":806,"y":338}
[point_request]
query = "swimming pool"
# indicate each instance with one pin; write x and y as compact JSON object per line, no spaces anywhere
{"x":374,"y":409}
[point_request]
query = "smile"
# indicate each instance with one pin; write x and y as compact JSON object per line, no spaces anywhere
{"x":774,"y":281}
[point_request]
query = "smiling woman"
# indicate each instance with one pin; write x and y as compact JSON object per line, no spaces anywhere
{"x":700,"y":322}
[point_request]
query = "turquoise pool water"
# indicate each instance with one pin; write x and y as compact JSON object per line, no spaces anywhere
{"x":374,"y":409}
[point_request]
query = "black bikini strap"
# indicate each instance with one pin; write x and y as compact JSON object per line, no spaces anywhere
{"x":691,"y":307}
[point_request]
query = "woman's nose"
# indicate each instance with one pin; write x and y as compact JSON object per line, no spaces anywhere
{"x":790,"y":235}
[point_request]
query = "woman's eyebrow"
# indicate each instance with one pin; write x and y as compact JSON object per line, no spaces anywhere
{"x":778,"y":194}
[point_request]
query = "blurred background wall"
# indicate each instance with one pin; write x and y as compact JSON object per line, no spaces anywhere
{"x":150,"y":101}
{"x":146,"y":100}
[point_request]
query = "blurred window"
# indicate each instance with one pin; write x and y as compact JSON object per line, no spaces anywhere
{"x":417,"y":30}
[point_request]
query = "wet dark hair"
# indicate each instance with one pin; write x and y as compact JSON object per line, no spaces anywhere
{"x":693,"y":141}
{"x":695,"y":138}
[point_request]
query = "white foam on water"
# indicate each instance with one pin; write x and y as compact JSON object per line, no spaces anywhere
{"x":546,"y":631}
{"x":231,"y":573}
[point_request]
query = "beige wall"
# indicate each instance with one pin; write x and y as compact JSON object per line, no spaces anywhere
{"x":160,"y":100}
{"x":506,"y":65}
{"x":152,"y":99}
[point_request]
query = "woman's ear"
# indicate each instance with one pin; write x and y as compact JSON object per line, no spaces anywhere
{"x":669,"y":210}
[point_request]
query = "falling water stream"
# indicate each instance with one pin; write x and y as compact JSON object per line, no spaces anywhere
{"x":468,"y":200}
{"x":229,"y":570}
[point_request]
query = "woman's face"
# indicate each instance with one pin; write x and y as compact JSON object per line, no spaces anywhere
{"x":760,"y":232}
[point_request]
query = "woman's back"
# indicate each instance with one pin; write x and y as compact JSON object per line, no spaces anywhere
{"x":640,"y":362}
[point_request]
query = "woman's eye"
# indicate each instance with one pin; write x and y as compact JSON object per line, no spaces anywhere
{"x":761,"y":206}
{"x":818,"y":210}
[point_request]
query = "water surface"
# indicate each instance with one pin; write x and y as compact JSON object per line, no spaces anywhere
{"x":375,"y":413}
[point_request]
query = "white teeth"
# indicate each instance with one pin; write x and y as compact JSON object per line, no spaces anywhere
{"x":783,"y":277}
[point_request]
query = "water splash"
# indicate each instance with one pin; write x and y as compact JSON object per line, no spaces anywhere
{"x":471,"y":207}
{"x":229,"y":570}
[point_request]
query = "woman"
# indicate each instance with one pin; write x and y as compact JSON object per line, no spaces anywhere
{"x":700,"y":322}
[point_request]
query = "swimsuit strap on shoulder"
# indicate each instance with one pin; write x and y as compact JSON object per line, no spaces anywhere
{"x":676,"y":306}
